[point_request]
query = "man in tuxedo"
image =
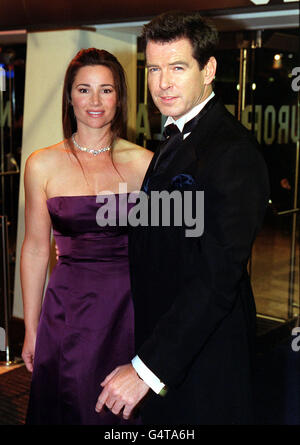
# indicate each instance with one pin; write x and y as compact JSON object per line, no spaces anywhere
{"x":194,"y":307}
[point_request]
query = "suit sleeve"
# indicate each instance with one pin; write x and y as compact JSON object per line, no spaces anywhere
{"x":235,"y":193}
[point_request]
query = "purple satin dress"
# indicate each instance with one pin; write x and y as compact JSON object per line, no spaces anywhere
{"x":86,"y":325}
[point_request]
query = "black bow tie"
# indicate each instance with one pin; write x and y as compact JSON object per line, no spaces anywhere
{"x":172,"y":129}
{"x":174,"y":137}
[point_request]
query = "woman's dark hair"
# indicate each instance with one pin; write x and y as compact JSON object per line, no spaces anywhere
{"x":174,"y":25}
{"x":90,"y":57}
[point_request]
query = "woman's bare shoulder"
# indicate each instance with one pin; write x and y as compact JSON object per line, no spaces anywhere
{"x":47,"y":157}
{"x":127,"y":151}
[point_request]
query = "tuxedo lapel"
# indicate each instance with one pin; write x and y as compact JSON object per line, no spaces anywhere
{"x":188,"y":156}
{"x":183,"y":161}
{"x":149,"y":171}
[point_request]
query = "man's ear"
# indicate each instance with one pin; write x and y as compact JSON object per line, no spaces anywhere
{"x":210,"y":71}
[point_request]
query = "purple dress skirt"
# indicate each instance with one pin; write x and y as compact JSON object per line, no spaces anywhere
{"x":86,"y":325}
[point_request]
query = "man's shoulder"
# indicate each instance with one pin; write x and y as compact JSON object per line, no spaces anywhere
{"x":222,"y":140}
{"x":221,"y":128}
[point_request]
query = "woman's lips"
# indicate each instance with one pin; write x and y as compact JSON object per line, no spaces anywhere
{"x":95,"y":113}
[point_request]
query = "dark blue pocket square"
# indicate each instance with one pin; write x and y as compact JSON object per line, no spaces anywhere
{"x":182,"y":180}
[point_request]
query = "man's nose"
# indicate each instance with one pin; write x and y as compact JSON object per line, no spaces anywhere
{"x":165,"y":80}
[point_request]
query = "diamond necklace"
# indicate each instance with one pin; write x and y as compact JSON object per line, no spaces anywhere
{"x":89,"y":150}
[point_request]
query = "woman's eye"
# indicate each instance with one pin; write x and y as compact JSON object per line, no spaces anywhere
{"x":83,"y":90}
{"x":107,"y":91}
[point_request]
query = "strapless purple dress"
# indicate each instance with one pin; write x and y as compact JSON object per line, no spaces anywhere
{"x":86,"y":325}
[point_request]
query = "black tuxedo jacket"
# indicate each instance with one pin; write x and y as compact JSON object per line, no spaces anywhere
{"x":194,"y":307}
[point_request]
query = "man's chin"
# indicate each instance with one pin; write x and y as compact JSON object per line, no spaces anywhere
{"x":170,"y":111}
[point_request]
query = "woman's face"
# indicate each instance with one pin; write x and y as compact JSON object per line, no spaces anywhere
{"x":94,"y":96}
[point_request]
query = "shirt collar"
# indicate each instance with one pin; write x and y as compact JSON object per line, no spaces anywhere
{"x":189,"y":115}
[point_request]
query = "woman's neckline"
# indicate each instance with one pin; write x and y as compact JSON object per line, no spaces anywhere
{"x":90,"y":196}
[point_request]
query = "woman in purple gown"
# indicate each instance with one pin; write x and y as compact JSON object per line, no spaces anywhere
{"x":84,"y":327}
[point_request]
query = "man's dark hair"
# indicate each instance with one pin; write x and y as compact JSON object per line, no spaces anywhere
{"x":174,"y":25}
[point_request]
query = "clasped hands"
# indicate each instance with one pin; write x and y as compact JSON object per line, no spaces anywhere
{"x":122,"y":389}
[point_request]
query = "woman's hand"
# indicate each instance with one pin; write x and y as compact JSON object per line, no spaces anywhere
{"x":56,"y":253}
{"x":28,"y":351}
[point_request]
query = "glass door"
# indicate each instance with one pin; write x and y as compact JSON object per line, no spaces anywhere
{"x":254,"y":79}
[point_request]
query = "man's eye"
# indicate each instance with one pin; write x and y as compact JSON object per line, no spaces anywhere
{"x":152,"y":70}
{"x":178,"y":68}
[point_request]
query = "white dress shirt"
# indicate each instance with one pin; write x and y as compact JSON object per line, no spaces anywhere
{"x":188,"y":116}
{"x":142,"y":370}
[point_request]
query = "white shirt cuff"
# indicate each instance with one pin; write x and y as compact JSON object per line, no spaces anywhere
{"x":145,"y":374}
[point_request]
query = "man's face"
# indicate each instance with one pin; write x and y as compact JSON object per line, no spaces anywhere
{"x":175,"y":80}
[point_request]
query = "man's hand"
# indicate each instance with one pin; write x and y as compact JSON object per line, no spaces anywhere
{"x":56,"y":253}
{"x":122,"y":388}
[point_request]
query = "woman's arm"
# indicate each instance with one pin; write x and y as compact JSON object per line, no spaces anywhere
{"x":35,"y":250}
